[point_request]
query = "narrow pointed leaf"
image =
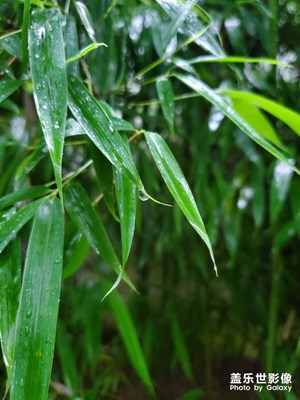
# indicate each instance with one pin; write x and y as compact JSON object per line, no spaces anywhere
{"x":25,"y":194}
{"x":99,"y":127}
{"x":285,"y":114}
{"x":10,"y":283}
{"x":257,"y":120}
{"x":129,"y":336}
{"x":38,"y":309}
{"x":86,"y":19}
{"x":181,"y":348}
{"x":177,"y":185}
{"x":10,"y":227}
{"x":201,"y":88}
{"x":126,"y":197}
{"x":105,"y":176}
{"x":71,"y":39}
{"x":48,"y":66}
{"x":87,"y":220}
{"x":166,"y":97}
{"x":86,"y":50}
{"x":11,"y":42}
{"x":7,"y":87}
{"x":76,"y":255}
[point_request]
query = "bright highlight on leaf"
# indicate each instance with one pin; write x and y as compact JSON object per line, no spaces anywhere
{"x":178,"y":186}
{"x":48,"y":67}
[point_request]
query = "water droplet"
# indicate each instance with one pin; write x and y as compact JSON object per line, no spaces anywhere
{"x":143,"y":195}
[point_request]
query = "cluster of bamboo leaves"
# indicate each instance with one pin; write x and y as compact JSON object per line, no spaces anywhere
{"x":53,"y":72}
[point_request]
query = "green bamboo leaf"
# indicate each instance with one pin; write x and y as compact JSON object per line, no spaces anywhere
{"x":11,"y":42}
{"x":220,"y":102}
{"x":30,"y":162}
{"x":7,"y":87}
{"x":126,"y":197}
{"x":279,"y":188}
{"x":38,"y":309}
{"x":191,"y":25}
{"x":181,"y":348}
{"x":105,"y":177}
{"x":129,"y":336}
{"x":25,"y":194}
{"x":86,"y":50}
{"x":26,"y":19}
{"x":285,"y":114}
{"x":75,"y":255}
{"x":48,"y":66}
{"x":71,"y":39}
{"x":11,"y":227}
{"x":99,"y":127}
{"x":166,"y":97}
{"x":119,"y":123}
{"x":257,"y":120}
{"x":67,"y":359}
{"x":86,"y":19}
{"x":10,"y":283}
{"x":235,"y":59}
{"x":178,"y":186}
{"x":87,"y":220}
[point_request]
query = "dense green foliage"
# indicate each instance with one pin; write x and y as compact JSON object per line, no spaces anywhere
{"x":143,"y":145}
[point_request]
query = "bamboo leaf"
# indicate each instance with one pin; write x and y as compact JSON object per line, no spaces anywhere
{"x":38,"y":309}
{"x":86,"y":19}
{"x":87,"y":220}
{"x":71,"y":39}
{"x":7,"y":87}
{"x":129,"y":336}
{"x":11,"y":42}
{"x":76,"y":255}
{"x":285,"y":114}
{"x":234,"y":59}
{"x":181,"y":348}
{"x":10,"y":283}
{"x":177,"y":185}
{"x":86,"y":50}
{"x":11,"y":227}
{"x":257,"y":120}
{"x":166,"y":97}
{"x":48,"y":66}
{"x":99,"y":127}
{"x":191,"y":26}
{"x":126,"y":197}
{"x":25,"y":194}
{"x":199,"y":87}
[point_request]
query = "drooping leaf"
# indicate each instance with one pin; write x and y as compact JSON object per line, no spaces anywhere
{"x":220,"y":102}
{"x":38,"y":309}
{"x":87,"y":220}
{"x":166,"y":97}
{"x":48,"y":66}
{"x":7,"y":87}
{"x":279,"y":188}
{"x":10,"y":282}
{"x":126,"y":197}
{"x":11,"y":227}
{"x":25,"y":194}
{"x":98,"y":126}
{"x":177,"y":185}
{"x":285,"y":114}
{"x":129,"y":336}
